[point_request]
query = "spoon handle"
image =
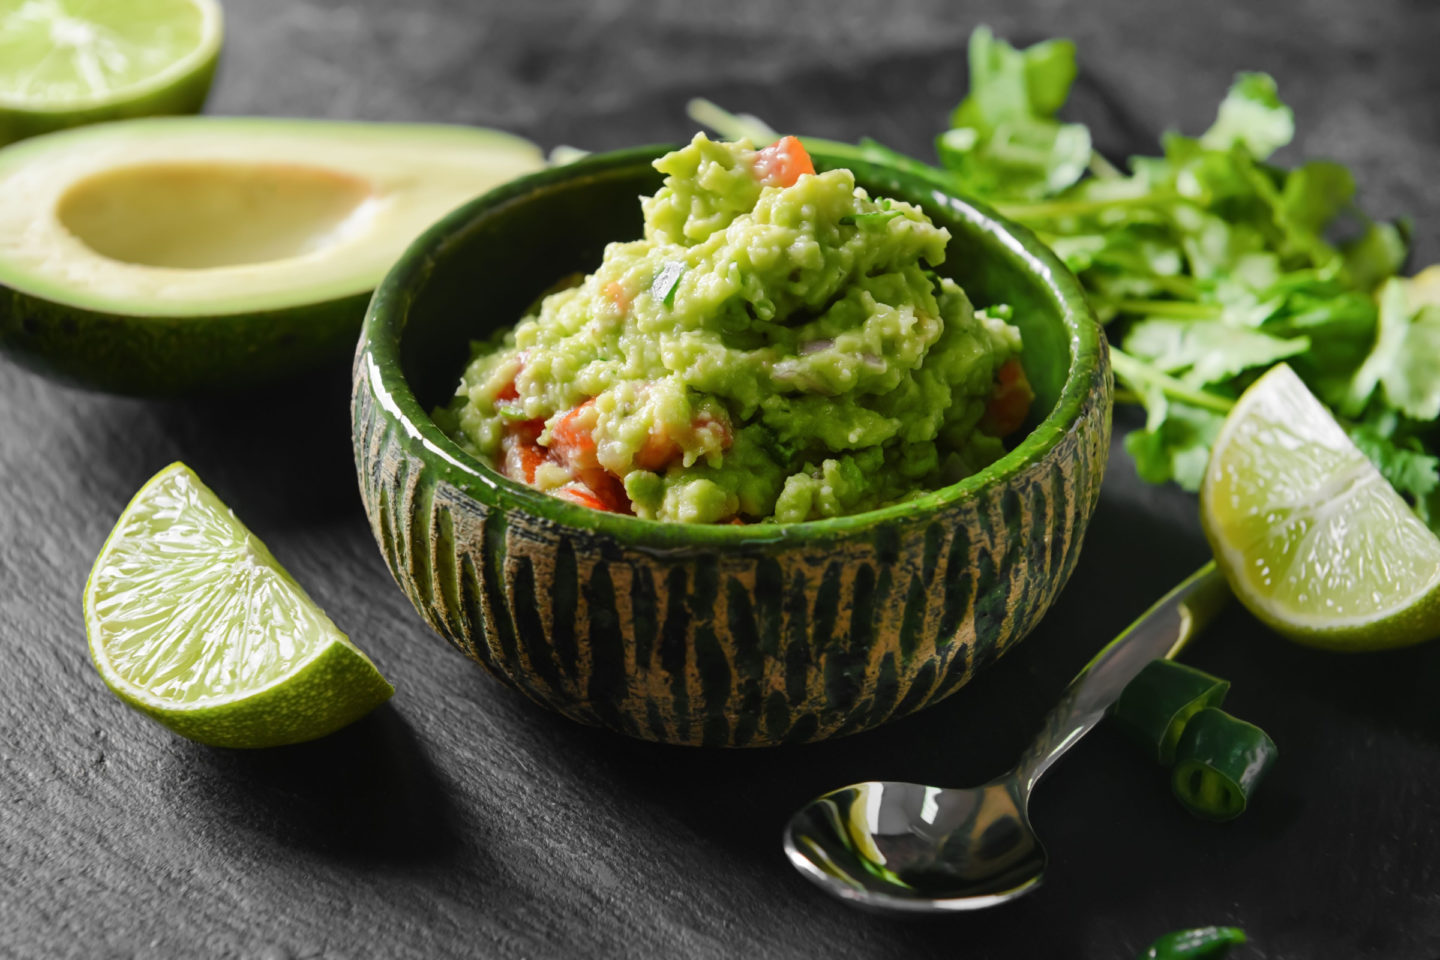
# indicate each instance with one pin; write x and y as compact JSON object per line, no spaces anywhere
{"x":1160,"y":632}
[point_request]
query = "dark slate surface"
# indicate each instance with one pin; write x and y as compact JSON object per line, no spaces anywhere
{"x":461,"y":820}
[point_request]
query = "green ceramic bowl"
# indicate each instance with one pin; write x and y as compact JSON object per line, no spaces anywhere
{"x":715,"y":635}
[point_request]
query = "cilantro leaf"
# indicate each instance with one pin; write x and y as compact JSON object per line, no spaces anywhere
{"x":1405,"y":361}
{"x":1315,"y":194}
{"x":1177,"y":446}
{"x":1406,"y":464}
{"x":1251,"y":116}
{"x":1376,"y":254}
{"x":1004,"y":139}
{"x":1340,"y":324}
{"x":1005,"y":82}
{"x":1050,"y":71}
{"x":1201,"y":353}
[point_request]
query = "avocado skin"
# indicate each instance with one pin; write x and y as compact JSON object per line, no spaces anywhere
{"x":175,"y":356}
{"x":179,"y":100}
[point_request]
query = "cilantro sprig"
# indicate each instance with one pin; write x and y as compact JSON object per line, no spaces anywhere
{"x":1208,"y":263}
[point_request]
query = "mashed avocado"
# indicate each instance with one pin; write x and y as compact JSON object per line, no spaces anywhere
{"x":775,"y":347}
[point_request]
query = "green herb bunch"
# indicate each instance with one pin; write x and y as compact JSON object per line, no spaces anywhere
{"x":1208,"y":263}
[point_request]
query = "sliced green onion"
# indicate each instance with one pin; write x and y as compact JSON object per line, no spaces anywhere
{"x":1156,"y":705}
{"x":667,"y":281}
{"x":1219,"y":762}
{"x":1195,"y":944}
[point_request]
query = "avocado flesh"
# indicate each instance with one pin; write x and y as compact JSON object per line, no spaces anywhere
{"x":171,"y":255}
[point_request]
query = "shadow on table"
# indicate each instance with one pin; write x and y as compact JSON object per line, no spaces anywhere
{"x":280,"y":455}
{"x":1392,"y":690}
{"x":368,"y":793}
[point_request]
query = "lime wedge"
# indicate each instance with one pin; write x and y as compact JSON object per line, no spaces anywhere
{"x":192,"y":622}
{"x":68,"y":62}
{"x":1309,"y":534}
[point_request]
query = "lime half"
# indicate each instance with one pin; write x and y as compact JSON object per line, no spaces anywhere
{"x":193,"y":622}
{"x":1309,"y":534}
{"x":68,"y":62}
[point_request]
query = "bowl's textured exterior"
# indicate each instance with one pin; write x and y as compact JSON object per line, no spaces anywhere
{"x":726,"y":636}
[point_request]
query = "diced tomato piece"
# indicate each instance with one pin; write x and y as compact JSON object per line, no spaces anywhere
{"x":610,"y":497}
{"x":723,"y":426}
{"x":1010,"y":403}
{"x":510,"y":391}
{"x":521,"y":454}
{"x":737,"y":521}
{"x":660,"y":449}
{"x":782,"y":163}
{"x":522,"y":460}
{"x":578,"y":492}
{"x":527,"y":430}
{"x":570,"y":438}
{"x":570,"y":445}
{"x":611,"y":492}
{"x":573,"y":445}
{"x":657,"y":452}
{"x":617,"y":295}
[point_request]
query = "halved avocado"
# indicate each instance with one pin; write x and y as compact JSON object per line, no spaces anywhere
{"x":178,"y":255}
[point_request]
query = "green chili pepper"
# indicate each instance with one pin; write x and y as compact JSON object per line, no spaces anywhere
{"x":1156,"y":705}
{"x":1219,"y":762}
{"x":1194,"y":944}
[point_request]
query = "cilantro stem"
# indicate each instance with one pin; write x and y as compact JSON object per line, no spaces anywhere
{"x":1178,"y":285}
{"x":1123,"y":395}
{"x":1052,"y":209}
{"x":1136,"y":372}
{"x":1102,"y":168}
{"x":1178,"y":309}
{"x":730,"y":126}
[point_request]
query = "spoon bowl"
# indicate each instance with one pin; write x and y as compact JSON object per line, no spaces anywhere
{"x":899,"y":846}
{"x":895,"y":847}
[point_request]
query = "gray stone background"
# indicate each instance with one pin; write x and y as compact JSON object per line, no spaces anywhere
{"x":462,"y":821}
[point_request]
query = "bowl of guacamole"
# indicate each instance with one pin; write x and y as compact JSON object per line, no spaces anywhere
{"x":776,"y":346}
{"x":730,"y":444}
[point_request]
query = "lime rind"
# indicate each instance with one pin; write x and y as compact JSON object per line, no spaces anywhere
{"x":292,"y":710}
{"x":1311,"y":537}
{"x":192,"y":621}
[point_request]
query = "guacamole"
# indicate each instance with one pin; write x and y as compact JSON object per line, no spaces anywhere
{"x":776,"y":347}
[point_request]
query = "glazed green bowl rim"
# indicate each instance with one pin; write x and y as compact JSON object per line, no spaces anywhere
{"x":378,"y":360}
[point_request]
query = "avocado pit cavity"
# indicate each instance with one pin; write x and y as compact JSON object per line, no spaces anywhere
{"x":198,"y":216}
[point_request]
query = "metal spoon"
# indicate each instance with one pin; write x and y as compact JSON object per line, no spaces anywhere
{"x":908,"y":848}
